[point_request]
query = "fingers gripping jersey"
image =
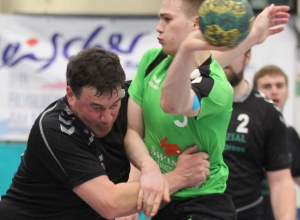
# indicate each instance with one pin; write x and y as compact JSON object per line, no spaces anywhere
{"x":166,"y":136}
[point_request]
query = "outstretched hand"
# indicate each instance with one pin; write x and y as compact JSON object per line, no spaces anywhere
{"x":266,"y":23}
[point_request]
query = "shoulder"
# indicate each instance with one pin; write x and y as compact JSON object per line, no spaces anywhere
{"x":260,"y":98}
{"x":58,"y":119}
{"x":292,"y":132}
{"x":150,"y":55}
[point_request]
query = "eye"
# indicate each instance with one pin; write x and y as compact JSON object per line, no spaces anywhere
{"x":115,"y":105}
{"x":97,"y":108}
{"x":166,"y":19}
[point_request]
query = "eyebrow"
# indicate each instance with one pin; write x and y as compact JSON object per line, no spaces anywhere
{"x":163,"y":14}
{"x":98,"y":105}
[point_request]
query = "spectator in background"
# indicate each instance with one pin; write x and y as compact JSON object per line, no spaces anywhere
{"x":273,"y":82}
{"x":255,"y":143}
{"x":75,"y":166}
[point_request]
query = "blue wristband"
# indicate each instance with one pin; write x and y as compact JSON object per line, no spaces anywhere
{"x":142,"y":216}
{"x":196,"y":102}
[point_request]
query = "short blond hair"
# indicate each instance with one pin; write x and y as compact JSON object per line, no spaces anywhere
{"x":191,"y":7}
{"x":269,"y":70}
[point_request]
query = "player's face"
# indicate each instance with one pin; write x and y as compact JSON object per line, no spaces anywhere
{"x":173,"y":26}
{"x":235,"y":70}
{"x":98,"y":113}
{"x":275,"y":88}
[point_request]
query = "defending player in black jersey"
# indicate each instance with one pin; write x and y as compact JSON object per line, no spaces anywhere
{"x":75,"y":165}
{"x":256,"y":141}
{"x":273,"y":82}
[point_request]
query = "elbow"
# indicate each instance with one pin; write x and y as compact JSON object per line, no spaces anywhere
{"x":109,"y":212}
{"x":167,"y":107}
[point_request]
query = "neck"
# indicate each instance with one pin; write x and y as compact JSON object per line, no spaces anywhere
{"x":240,"y":89}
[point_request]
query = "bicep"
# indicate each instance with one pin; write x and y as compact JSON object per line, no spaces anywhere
{"x":276,"y":178}
{"x":193,"y":107}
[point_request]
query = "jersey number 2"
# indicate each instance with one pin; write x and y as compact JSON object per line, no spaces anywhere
{"x":242,"y":128}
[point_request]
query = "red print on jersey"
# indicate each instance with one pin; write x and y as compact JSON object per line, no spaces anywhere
{"x":169,"y":148}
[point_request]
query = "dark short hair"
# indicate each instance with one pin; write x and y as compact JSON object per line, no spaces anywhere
{"x":269,"y":70}
{"x":96,"y":68}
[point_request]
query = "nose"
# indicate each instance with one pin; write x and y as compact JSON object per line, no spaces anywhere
{"x":274,"y":90}
{"x":106,"y":116}
{"x":159,"y":27}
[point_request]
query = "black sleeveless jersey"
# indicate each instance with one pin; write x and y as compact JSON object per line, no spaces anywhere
{"x":62,"y":153}
{"x":256,"y":142}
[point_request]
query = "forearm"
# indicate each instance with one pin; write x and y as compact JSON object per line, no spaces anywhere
{"x":226,"y":57}
{"x":136,"y":149}
{"x":175,"y":182}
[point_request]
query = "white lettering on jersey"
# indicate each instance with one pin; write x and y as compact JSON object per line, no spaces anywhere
{"x":164,"y":162}
{"x":181,"y":124}
{"x":242,"y":128}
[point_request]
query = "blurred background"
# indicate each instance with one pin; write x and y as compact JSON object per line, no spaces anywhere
{"x":37,"y":37}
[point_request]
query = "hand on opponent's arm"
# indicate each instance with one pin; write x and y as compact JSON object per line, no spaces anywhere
{"x":191,"y":170}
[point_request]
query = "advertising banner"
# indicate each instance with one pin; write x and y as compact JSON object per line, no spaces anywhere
{"x":34,"y":51}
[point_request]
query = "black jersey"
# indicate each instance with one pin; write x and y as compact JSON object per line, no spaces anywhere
{"x":293,"y":143}
{"x":62,"y":153}
{"x":256,"y":141}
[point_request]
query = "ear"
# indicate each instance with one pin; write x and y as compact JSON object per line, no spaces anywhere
{"x":247,"y":57}
{"x":70,"y":96}
{"x":195,"y":23}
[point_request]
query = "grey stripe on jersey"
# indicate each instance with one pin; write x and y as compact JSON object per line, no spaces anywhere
{"x":44,"y":138}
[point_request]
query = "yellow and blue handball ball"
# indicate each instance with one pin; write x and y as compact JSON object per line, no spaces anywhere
{"x":225,"y":22}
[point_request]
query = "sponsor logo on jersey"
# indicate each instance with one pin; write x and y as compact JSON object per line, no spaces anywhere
{"x":169,"y":148}
{"x":165,"y":163}
{"x":234,"y":148}
{"x":235,"y":137}
{"x":153,"y":83}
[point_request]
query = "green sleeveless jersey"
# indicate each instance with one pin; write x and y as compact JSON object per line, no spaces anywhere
{"x":166,"y":135}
